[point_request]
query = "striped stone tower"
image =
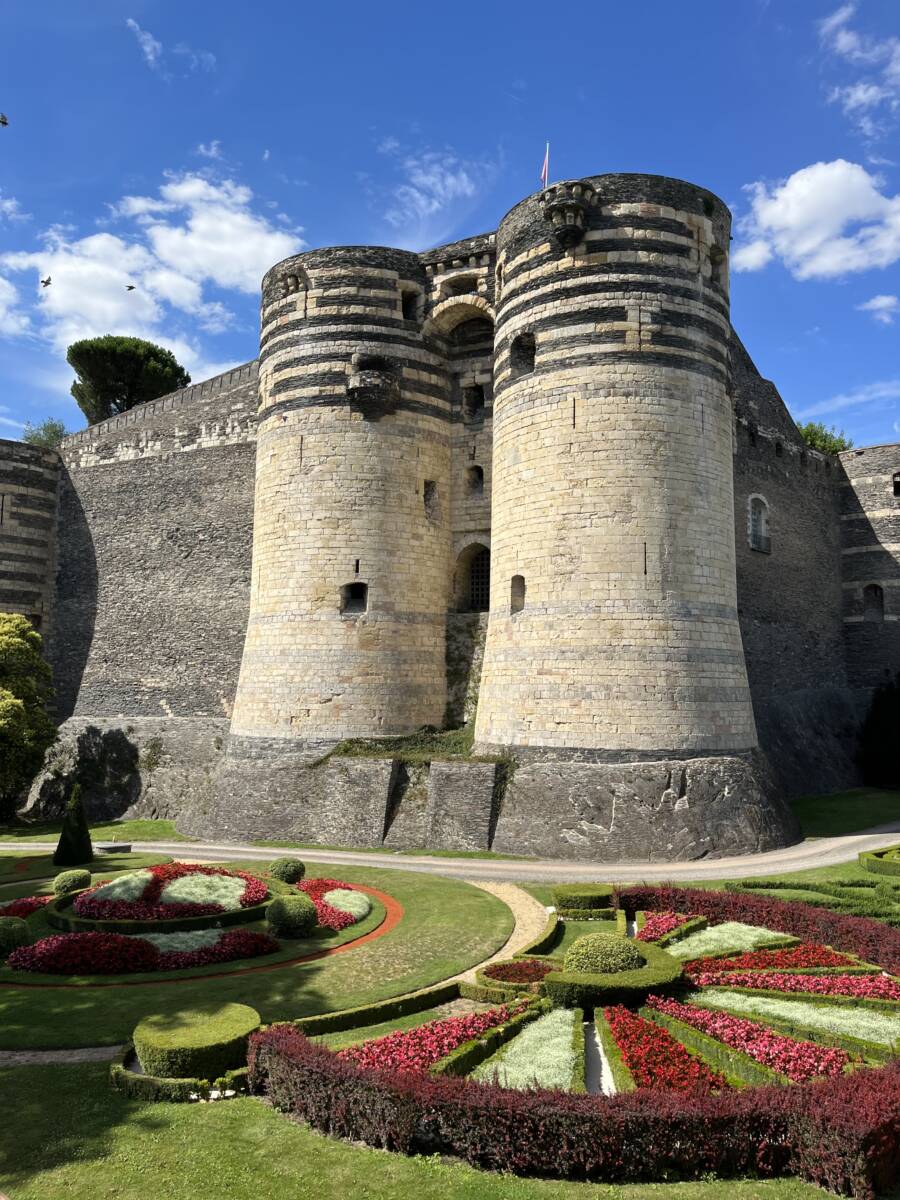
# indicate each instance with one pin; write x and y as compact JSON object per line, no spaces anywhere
{"x":351,"y":543}
{"x":613,"y":629}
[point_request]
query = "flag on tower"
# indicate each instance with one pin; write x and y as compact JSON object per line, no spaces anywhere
{"x":545,"y":169}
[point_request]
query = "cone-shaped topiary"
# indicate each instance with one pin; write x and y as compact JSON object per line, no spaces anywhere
{"x":71,"y":881}
{"x":75,"y":839}
{"x":603,"y":954}
{"x":292,"y":916}
{"x":288,"y":870}
{"x":13,"y":933}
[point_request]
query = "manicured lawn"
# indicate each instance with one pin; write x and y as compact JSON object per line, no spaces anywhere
{"x":447,"y":926}
{"x":101,"y":831}
{"x":73,"y":1137}
{"x":15,"y":867}
{"x":846,"y":812}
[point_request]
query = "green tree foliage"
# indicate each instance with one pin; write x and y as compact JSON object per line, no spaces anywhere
{"x":74,"y":845}
{"x":829,"y":441}
{"x":49,"y":433}
{"x":879,"y":755}
{"x":25,"y":691}
{"x":116,"y":373}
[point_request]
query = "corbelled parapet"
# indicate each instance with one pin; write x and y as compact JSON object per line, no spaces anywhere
{"x":566,"y":206}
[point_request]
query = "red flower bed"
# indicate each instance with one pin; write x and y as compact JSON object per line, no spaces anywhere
{"x":662,"y":923}
{"x":871,"y":987}
{"x":116,"y":954}
{"x":791,"y":958}
{"x":797,"y":1060}
{"x":24,"y":907}
{"x":150,"y":907}
{"x":869,"y":940}
{"x":527,"y":970}
{"x":420,"y":1048}
{"x":838,"y":1133}
{"x":327,"y":914}
{"x":655,"y":1059}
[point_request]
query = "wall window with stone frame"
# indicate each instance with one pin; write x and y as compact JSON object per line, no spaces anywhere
{"x":873,"y":602}
{"x":516,"y":594}
{"x":758,"y":525}
{"x":475,"y":481}
{"x":431,"y":499}
{"x":897,"y":483}
{"x":472,"y":579}
{"x":521,"y":355}
{"x":354,"y":598}
{"x":473,"y":403}
{"x":411,"y":304}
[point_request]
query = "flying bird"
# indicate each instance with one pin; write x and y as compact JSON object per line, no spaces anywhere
{"x":129,"y":287}
{"x":45,"y":282}
{"x":4,"y":119}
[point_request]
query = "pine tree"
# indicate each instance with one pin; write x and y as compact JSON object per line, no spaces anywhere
{"x":74,"y":845}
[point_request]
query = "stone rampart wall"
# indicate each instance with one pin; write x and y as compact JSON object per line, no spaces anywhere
{"x":29,"y":484}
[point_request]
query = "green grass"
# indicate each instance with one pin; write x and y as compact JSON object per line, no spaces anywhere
{"x":102,"y":831}
{"x":16,"y":867}
{"x":447,"y":926}
{"x":365,"y":1033}
{"x":845,"y":813}
{"x":74,"y":1137}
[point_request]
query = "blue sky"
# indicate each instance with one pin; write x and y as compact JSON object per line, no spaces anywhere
{"x":187,"y":147}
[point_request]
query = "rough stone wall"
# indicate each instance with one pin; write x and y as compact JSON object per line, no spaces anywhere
{"x":29,"y":483}
{"x":612,"y":482}
{"x":869,"y":494}
{"x":465,"y":654}
{"x":154,"y":555}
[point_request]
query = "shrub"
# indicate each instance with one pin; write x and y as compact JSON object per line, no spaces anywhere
{"x":881,"y":862}
{"x":203,"y":1042}
{"x":13,"y":934}
{"x":583,"y":895}
{"x":26,"y":690}
{"x":74,"y":846}
{"x":603,"y":954}
{"x":71,"y":881}
{"x":292,"y":916}
{"x":288,"y":870}
{"x":660,"y":973}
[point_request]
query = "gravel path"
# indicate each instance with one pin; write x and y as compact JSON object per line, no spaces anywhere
{"x":38,"y":1058}
{"x":531,"y":917}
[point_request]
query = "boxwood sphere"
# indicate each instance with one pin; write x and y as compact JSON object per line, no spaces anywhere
{"x":200,"y":1043}
{"x":288,"y":870}
{"x":13,"y":933}
{"x":71,"y":881}
{"x":292,"y":916}
{"x":603,"y":954}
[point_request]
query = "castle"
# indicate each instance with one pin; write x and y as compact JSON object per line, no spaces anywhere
{"x":530,"y":479}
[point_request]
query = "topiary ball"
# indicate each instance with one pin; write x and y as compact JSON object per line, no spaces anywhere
{"x":13,"y":933}
{"x":288,"y":870}
{"x":292,"y":916}
{"x":71,"y":881}
{"x":603,"y":954}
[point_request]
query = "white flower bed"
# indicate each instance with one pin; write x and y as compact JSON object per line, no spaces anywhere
{"x":205,"y":889}
{"x":719,"y":939}
{"x":124,"y":887}
{"x":857,"y":1022}
{"x":357,"y":904}
{"x":540,"y":1055}
{"x":186,"y":939}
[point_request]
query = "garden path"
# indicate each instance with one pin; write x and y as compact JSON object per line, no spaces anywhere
{"x":531,"y":918}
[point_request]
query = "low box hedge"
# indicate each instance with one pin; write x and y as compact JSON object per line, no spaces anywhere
{"x":661,"y":974}
{"x":203,"y":1043}
{"x":881,"y":862}
{"x":583,"y":895}
{"x":683,"y":931}
{"x":138,"y":1086}
{"x":543,"y":942}
{"x":484,"y":994}
{"x":738,"y":1068}
{"x":381,"y":1011}
{"x":465,"y":1058}
{"x":587,"y":914}
{"x":623,"y":1081}
{"x":577,"y":1083}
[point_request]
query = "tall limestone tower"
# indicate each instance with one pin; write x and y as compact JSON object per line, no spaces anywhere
{"x":613,"y":631}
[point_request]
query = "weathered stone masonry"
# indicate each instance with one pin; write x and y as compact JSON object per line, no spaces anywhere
{"x":555,"y":423}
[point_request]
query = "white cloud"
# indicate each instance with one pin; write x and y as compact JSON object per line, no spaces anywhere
{"x":197,"y":60}
{"x":13,"y":320}
{"x":210,"y":150}
{"x":150,"y":47}
{"x":884,"y":394}
{"x":824,"y":221}
{"x":267,"y":154}
{"x":11,"y":209}
{"x":871,"y":100}
{"x":882,"y":308}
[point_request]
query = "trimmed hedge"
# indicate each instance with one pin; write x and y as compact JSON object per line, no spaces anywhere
{"x":71,"y":881}
{"x":737,"y":1067}
{"x":381,"y":1011}
{"x":544,"y":941}
{"x":841,"y":1133}
{"x":583,"y":895}
{"x":623,"y":1080}
{"x":14,"y":933}
{"x":179,"y":1091}
{"x":288,"y":870}
{"x":495,"y":994}
{"x":292,"y":916}
{"x":881,"y":862}
{"x":683,"y":931}
{"x":577,"y":1083}
{"x":661,"y":974}
{"x":203,"y":1043}
{"x":465,"y":1058}
{"x":587,"y":914}
{"x":869,"y":940}
{"x":602,"y":954}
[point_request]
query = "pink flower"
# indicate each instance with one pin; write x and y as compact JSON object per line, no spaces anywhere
{"x":420,"y":1048}
{"x":871,"y":987}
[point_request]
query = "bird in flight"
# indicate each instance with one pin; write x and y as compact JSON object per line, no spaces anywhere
{"x":129,"y":287}
{"x":45,"y":282}
{"x":4,"y":119}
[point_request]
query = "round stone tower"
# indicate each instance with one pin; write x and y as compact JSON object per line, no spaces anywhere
{"x":613,"y":630}
{"x":351,"y":539}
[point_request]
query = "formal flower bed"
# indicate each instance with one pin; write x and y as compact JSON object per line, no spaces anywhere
{"x":525,"y":970}
{"x":723,"y":937}
{"x":797,"y":1060}
{"x":542,"y":1055}
{"x":789,"y":958}
{"x":655,"y":1059}
{"x":329,"y":895}
{"x":659,"y":924}
{"x":848,"y":1020}
{"x":869,"y":987}
{"x":420,"y":1048}
{"x":170,"y":890}
{"x":23,"y":907}
{"x":120,"y":954}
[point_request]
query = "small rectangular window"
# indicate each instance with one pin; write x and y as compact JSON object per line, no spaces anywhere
{"x":430,"y":497}
{"x":354,"y":598}
{"x":409,"y":302}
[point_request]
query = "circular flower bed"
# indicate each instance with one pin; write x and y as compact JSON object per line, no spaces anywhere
{"x":520,"y":970}
{"x":337,"y":905}
{"x":23,"y":907}
{"x":170,"y":891}
{"x":123,"y":954}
